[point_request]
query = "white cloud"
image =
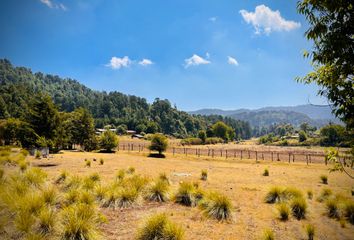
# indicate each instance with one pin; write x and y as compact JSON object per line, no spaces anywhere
{"x":232,"y":61}
{"x":195,"y":60}
{"x":117,"y":63}
{"x":51,"y":4}
{"x":207,"y":55}
{"x":213,"y":19}
{"x":267,"y":21}
{"x":145,"y":62}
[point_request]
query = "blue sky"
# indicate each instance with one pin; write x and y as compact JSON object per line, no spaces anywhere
{"x":198,"y":54}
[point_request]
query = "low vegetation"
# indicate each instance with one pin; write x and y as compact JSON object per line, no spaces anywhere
{"x":310,"y":231}
{"x":324,"y":179}
{"x":204,"y":175}
{"x":217,"y":206}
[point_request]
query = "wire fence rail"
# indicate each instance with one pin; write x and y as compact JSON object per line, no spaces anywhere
{"x":258,"y":155}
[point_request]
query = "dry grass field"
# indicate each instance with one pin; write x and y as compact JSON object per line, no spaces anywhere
{"x":242,"y":181}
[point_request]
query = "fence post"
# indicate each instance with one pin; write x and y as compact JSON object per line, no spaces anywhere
{"x":256,"y":156}
{"x":212,"y":153}
{"x":262,"y":156}
{"x":278,"y":159}
{"x":307,"y":159}
{"x":226,"y":153}
{"x":173,"y":151}
{"x":293,"y":157}
{"x":234,"y":153}
{"x":221,"y":153}
{"x":272,"y":156}
{"x":289,"y":157}
{"x":249,"y":154}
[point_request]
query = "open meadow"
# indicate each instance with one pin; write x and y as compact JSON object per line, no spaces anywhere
{"x":241,"y":181}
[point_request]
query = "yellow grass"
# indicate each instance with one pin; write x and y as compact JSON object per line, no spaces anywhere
{"x":240,"y":180}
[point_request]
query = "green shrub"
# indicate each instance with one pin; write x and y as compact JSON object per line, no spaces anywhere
{"x":101,"y":161}
{"x":204,"y":175}
{"x":268,"y":234}
{"x":158,"y":191}
{"x":349,"y":211}
{"x":298,"y":207}
{"x":266,"y":172}
{"x":310,"y":230}
{"x":191,"y":141}
{"x":216,"y":205}
{"x":213,"y":140}
{"x":284,"y":211}
{"x":324,"y":179}
{"x":24,"y":152}
{"x":160,"y":227}
{"x":158,"y":143}
{"x":108,"y":141}
{"x":275,"y":194}
{"x":332,"y":208}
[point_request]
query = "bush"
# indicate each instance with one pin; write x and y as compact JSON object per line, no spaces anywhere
{"x":274,"y":195}
{"x":158,"y":143}
{"x":332,"y":208}
{"x":204,"y":175}
{"x":108,"y":140}
{"x":191,"y":141}
{"x":302,"y":136}
{"x":310,"y":230}
{"x":268,"y":234}
{"x":324,"y":179}
{"x":37,"y":154}
{"x":160,"y":227}
{"x":349,"y":211}
{"x":284,"y":211}
{"x":158,"y":191}
{"x":217,"y":206}
{"x":266,"y":172}
{"x":298,"y":207}
{"x":213,"y":140}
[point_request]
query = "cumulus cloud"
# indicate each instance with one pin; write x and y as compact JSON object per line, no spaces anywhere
{"x":145,"y":62}
{"x":51,"y":4}
{"x":117,"y":63}
{"x":264,"y":20}
{"x":195,"y":60}
{"x":232,"y":61}
{"x":213,"y":19}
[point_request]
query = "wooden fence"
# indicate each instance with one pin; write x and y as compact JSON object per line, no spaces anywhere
{"x":265,"y":155}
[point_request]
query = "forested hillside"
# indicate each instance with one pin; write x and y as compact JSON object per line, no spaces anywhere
{"x":19,"y":85}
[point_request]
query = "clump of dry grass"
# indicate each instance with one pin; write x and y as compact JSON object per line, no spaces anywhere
{"x":268,"y":234}
{"x":284,"y":211}
{"x":216,"y":205}
{"x":324,"y":179}
{"x":186,"y":194}
{"x":275,"y":194}
{"x":158,"y":191}
{"x":204,"y":175}
{"x":309,"y":194}
{"x":159,"y":227}
{"x":87,"y":163}
{"x":299,"y":207}
{"x":266,"y":172}
{"x":325,"y":194}
{"x":349,"y":210}
{"x":310,"y":231}
{"x":131,"y":170}
{"x":62,"y":177}
{"x":101,"y":161}
{"x":332,"y":208}
{"x":163,"y":177}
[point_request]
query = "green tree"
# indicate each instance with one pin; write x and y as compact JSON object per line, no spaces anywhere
{"x":223,"y":131}
{"x":332,"y":135}
{"x":140,"y":128}
{"x":158,"y":143}
{"x":81,"y":126}
{"x":108,"y":140}
{"x":122,"y":129}
{"x":202,"y":135}
{"x":302,"y":136}
{"x":152,"y":127}
{"x":331,"y":30}
{"x":43,"y":116}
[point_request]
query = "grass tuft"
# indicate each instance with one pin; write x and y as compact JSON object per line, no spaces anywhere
{"x":120,"y":175}
{"x":284,"y":211}
{"x":275,"y":194}
{"x":324,"y":179}
{"x":101,"y":161}
{"x":216,"y":205}
{"x":47,"y":220}
{"x":185,"y":194}
{"x":157,"y":191}
{"x":204,"y":175}
{"x":163,"y":177}
{"x":268,"y":234}
{"x":87,"y":163}
{"x":131,"y":170}
{"x":349,"y":211}
{"x":266,"y":172}
{"x":310,"y":231}
{"x":160,"y":227}
{"x":332,"y":208}
{"x":309,"y":194}
{"x":298,"y":207}
{"x":325,"y":194}
{"x":62,"y":177}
